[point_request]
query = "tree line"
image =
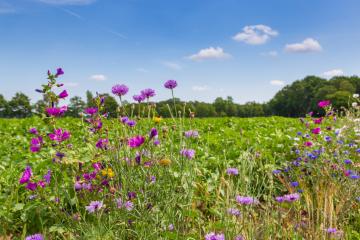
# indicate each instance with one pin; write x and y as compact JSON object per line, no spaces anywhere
{"x":293,"y":100}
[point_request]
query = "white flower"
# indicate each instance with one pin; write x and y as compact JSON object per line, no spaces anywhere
{"x":356,"y":95}
{"x":354,"y":104}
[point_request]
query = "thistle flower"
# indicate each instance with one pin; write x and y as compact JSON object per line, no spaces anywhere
{"x":147,"y":93}
{"x":232,"y":171}
{"x":153,"y":133}
{"x":119,"y":90}
{"x":59,"y":135}
{"x":214,"y":236}
{"x":91,"y":110}
{"x":119,"y":203}
{"x":246,"y":200}
{"x":170,"y":84}
{"x":233,"y":211}
{"x":139,"y":98}
{"x":37,"y":236}
{"x":26,"y":175}
{"x":191,"y":133}
{"x":136,"y":141}
{"x":124,"y":119}
{"x":288,"y":198}
{"x":129,"y":205}
{"x":102,"y":143}
{"x":324,"y":103}
{"x":188,"y":153}
{"x":47,"y":177}
{"x":31,"y":186}
{"x":94,"y":206}
{"x":33,"y":131}
{"x":35,"y":144}
{"x":131,"y":123}
{"x":63,"y":94}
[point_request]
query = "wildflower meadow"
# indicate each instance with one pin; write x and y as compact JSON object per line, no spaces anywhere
{"x":141,"y":176}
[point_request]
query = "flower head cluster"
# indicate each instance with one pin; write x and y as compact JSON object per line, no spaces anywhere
{"x":139,"y":98}
{"x":191,"y":134}
{"x":288,"y":198}
{"x":102,"y":143}
{"x":214,"y":236}
{"x":94,"y":206}
{"x":170,"y":84}
{"x":148,"y":92}
{"x":35,"y":144}
{"x":246,"y":200}
{"x":59,"y":135}
{"x":119,"y":90}
{"x":188,"y":153}
{"x":56,"y":112}
{"x":136,"y":141}
{"x":37,"y":236}
{"x":232,"y":171}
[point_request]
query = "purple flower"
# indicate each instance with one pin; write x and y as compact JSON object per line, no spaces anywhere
{"x":129,"y":205}
{"x":26,"y":175}
{"x":233,"y":211}
{"x":36,"y":144}
{"x":294,"y":184}
{"x":153,"y":133}
{"x":131,"y":123}
{"x":119,"y":202}
{"x":77,"y":186}
{"x":136,"y":141}
{"x":188,"y":153}
{"x":156,"y":142}
{"x":276,"y":172}
{"x":171,"y":227}
{"x":59,"y":72}
{"x":37,"y":236}
{"x":63,"y":94}
{"x":56,"y":112}
{"x":91,"y":110}
{"x":102,"y":143}
{"x":59,"y":135}
{"x":331,"y":230}
{"x":347,"y":161}
{"x":31,"y":186}
{"x":147,"y":93}
{"x":47,"y":177}
{"x":170,"y":84}
{"x":94,"y":206}
{"x":33,"y":131}
{"x":191,"y":133}
{"x":124,"y":119}
{"x":131,"y":195}
{"x":214,"y":236}
{"x":288,"y":198}
{"x":139,"y":98}
{"x":246,"y":200}
{"x":232,"y":171}
{"x":119,"y":90}
{"x":327,"y":139}
{"x":239,"y":237}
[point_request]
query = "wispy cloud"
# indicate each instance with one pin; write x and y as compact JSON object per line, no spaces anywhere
{"x":333,"y":72}
{"x":74,"y":14}
{"x":202,"y":88}
{"x":71,"y":84}
{"x":98,"y":77}
{"x":172,"y":65}
{"x":255,"y":34}
{"x":6,"y":8}
{"x":210,"y":53}
{"x":277,"y":83}
{"x":308,"y":45}
{"x":67,"y":2}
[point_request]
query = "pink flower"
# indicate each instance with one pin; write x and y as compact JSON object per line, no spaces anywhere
{"x":63,"y":94}
{"x":136,"y":141}
{"x":36,"y":144}
{"x":26,"y":175}
{"x":56,"y":112}
{"x":102,"y":143}
{"x":316,"y":130}
{"x":308,"y":144}
{"x":318,"y":121}
{"x":59,"y":135}
{"x":324,"y":103}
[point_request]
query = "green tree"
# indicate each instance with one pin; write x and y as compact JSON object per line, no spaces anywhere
{"x":76,"y":106}
{"x":19,"y":106}
{"x":3,"y":107}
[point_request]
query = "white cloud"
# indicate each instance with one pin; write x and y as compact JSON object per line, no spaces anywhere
{"x":210,"y":53}
{"x":270,"y":54}
{"x":67,"y":2}
{"x":255,"y":34}
{"x":172,"y":65}
{"x":277,"y":83}
{"x":98,"y":77}
{"x":308,"y":45}
{"x":200,"y":88}
{"x":6,"y":8}
{"x":333,"y":73}
{"x":71,"y":84}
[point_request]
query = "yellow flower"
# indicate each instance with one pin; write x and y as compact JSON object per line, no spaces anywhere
{"x":157,"y":119}
{"x":104,"y":172}
{"x":165,"y":162}
{"x":108,"y":172}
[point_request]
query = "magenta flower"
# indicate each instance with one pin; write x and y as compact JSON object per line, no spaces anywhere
{"x":214,"y":236}
{"x":31,"y":186}
{"x":59,"y":72}
{"x":324,"y":103}
{"x":318,"y":121}
{"x":33,"y":131}
{"x":37,"y":236}
{"x":232,"y":171}
{"x":308,"y":144}
{"x":91,"y":110}
{"x":94,"y":206}
{"x":170,"y":84}
{"x":56,"y":112}
{"x":102,"y":143}
{"x":131,"y":123}
{"x":119,"y":90}
{"x":188,"y":153}
{"x":147,"y":93}
{"x":35,"y":144}
{"x":139,"y":98}
{"x":59,"y":135}
{"x":246,"y":200}
{"x":47,"y":177}
{"x":316,"y":130}
{"x":136,"y":141}
{"x":153,"y":133}
{"x":26,"y":175}
{"x":63,"y":94}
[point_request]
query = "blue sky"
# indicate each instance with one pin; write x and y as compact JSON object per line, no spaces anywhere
{"x":247,"y":49}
